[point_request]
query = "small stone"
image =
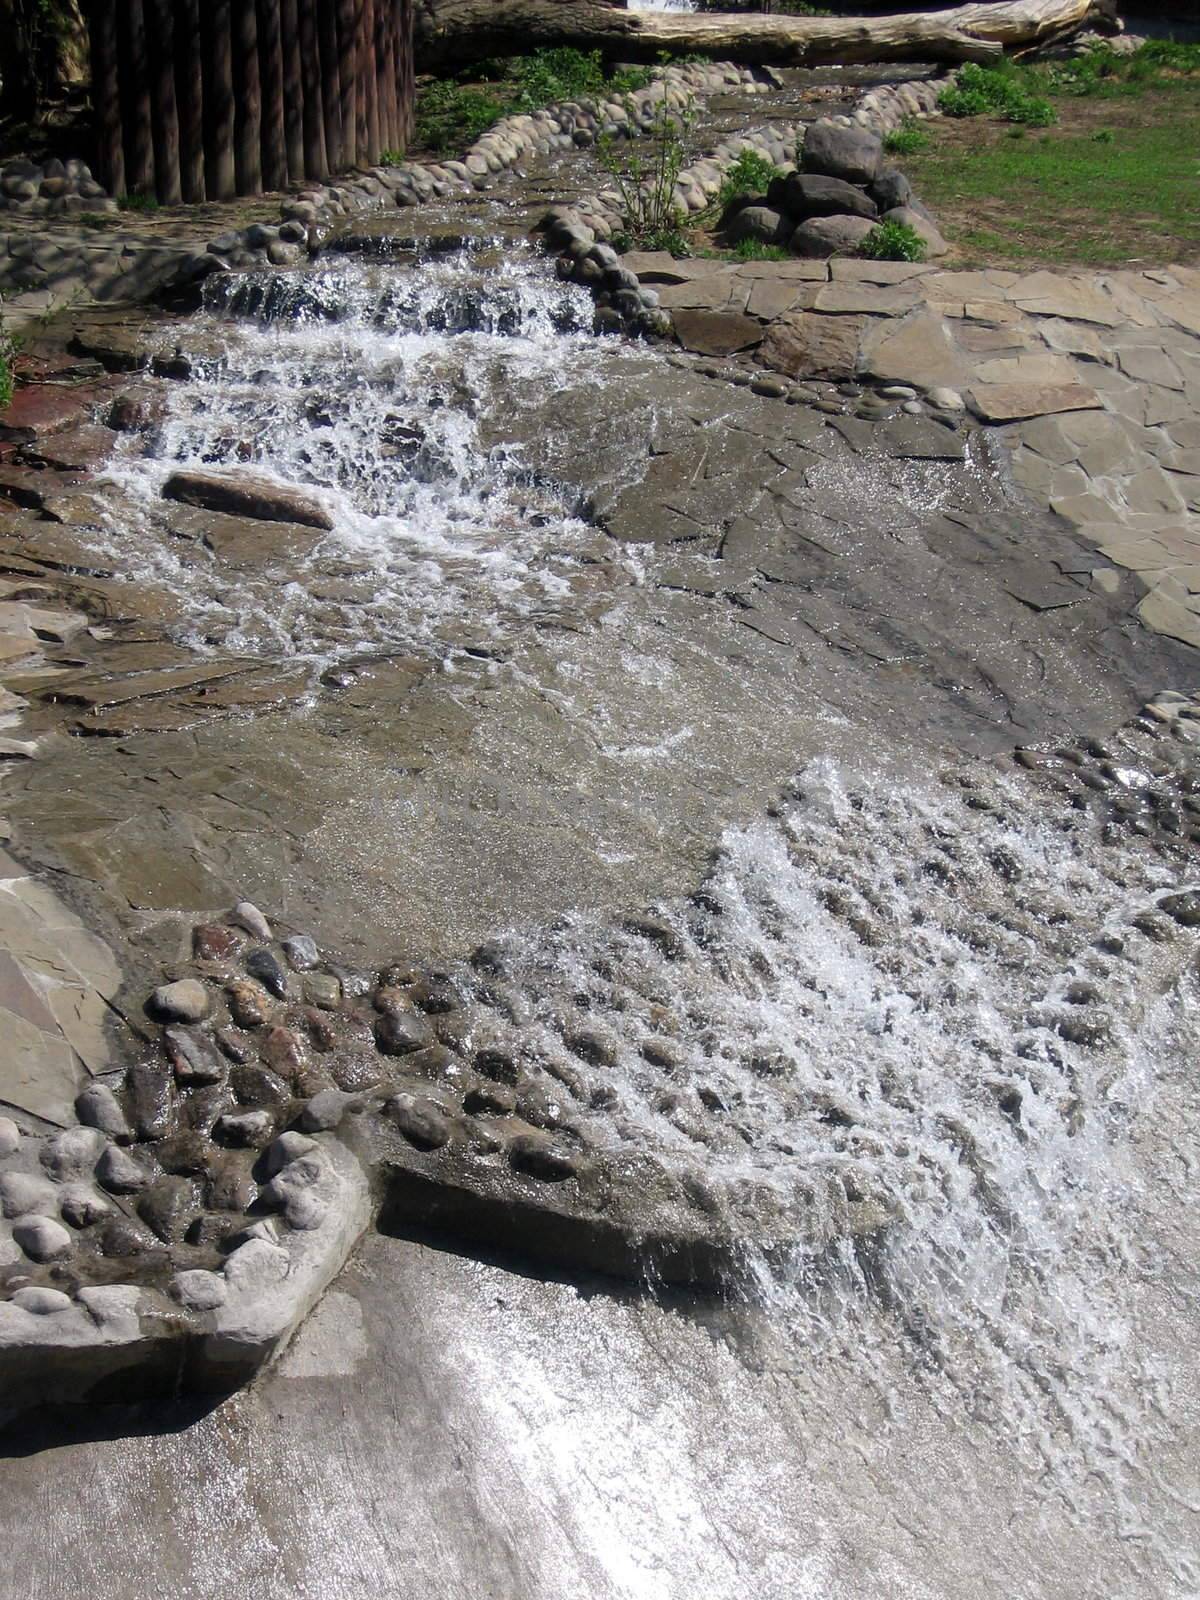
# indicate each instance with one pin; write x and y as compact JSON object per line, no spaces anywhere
{"x":81,"y":1205}
{"x":234,"y":1046}
{"x":73,"y":1153}
{"x":245,"y":1128}
{"x":422,"y":1122}
{"x":214,"y":941}
{"x":1182,"y":908}
{"x":42,"y":1302}
{"x":97,"y":1107}
{"x":10,"y":1137}
{"x":42,"y":1238}
{"x":261,"y":964}
{"x":322,"y":990}
{"x":898,"y":391}
{"x":184,"y":1001}
{"x":491,"y":1099}
{"x":118,"y":1172}
{"x":249,"y":1005}
{"x":257,"y":1086}
{"x":324,"y":1112}
{"x":769,"y":388}
{"x":22,"y":1193}
{"x":200,"y":1290}
{"x":193,"y":1056}
{"x":945,"y":399}
{"x":248,"y":916}
{"x":398,"y":1034}
{"x":540,"y":1157}
{"x":289,"y":1147}
{"x":122,"y":1239}
{"x":301,"y":951}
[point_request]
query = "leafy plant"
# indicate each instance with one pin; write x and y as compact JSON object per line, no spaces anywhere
{"x":138,"y":202}
{"x":8,"y":351}
{"x":668,"y":239}
{"x":751,"y":173}
{"x":452,"y":115}
{"x":893,"y":241}
{"x":907,"y":139}
{"x":1003,"y":91}
{"x":548,"y":76}
{"x":646,"y":178}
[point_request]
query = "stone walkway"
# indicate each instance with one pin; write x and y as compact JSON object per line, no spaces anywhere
{"x":1091,"y":381}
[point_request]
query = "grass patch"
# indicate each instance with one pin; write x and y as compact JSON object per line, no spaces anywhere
{"x":756,"y":250}
{"x":138,"y":202}
{"x":907,"y":139}
{"x":893,"y":241}
{"x":1112,"y":183}
{"x":453,"y":112}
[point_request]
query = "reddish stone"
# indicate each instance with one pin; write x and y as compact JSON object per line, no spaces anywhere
{"x":320,"y":1028}
{"x":283,"y":1052}
{"x":213,"y":941}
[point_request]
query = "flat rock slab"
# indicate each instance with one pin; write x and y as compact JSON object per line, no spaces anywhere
{"x":714,"y":333}
{"x":1010,"y":402}
{"x":807,"y":345}
{"x":244,"y":495}
{"x":919,"y":351}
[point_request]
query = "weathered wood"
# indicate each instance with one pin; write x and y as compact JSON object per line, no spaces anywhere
{"x":368,"y":80}
{"x":220,"y":171}
{"x":347,"y":18}
{"x":454,"y":29}
{"x":331,"y":92}
{"x":164,"y":113}
{"x":316,"y":163}
{"x":270,"y":59}
{"x":385,"y":93}
{"x":247,"y":103}
{"x":296,"y":89}
{"x":406,"y":76}
{"x":135,"y":99}
{"x":189,"y":86}
{"x":106,"y":91}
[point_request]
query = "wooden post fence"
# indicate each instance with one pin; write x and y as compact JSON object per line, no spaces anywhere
{"x":208,"y":99}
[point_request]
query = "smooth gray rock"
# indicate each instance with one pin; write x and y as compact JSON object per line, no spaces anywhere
{"x":81,"y":1205}
{"x":200,"y":1290}
{"x":10,"y":1137}
{"x":24,"y":1193}
{"x":97,"y":1107}
{"x":808,"y":194}
{"x":289,"y":1147}
{"x":927,"y":231}
{"x":756,"y":222}
{"x":118,"y":1172}
{"x":891,"y":189}
{"x":247,"y":915}
{"x":836,"y":152}
{"x":325,"y":1110}
{"x":73,"y":1153}
{"x":42,"y":1302}
{"x":185,"y":1001}
{"x":828,"y":236}
{"x":42,"y":1238}
{"x":301,"y":951}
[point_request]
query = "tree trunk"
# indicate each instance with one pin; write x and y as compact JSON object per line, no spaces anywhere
{"x":106,"y":92}
{"x":368,"y":85}
{"x":451,"y":30}
{"x":160,"y":35}
{"x":316,"y":162}
{"x":135,"y":84}
{"x":331,"y":90}
{"x":220,"y":171}
{"x":189,"y":83}
{"x":348,"y":15}
{"x":274,"y":144}
{"x":248,"y":98}
{"x":293,"y":88}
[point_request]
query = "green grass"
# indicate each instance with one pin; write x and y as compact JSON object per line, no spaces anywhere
{"x":907,"y":139}
{"x":756,"y":250}
{"x":138,"y":202}
{"x":453,"y":112}
{"x":1113,"y":181}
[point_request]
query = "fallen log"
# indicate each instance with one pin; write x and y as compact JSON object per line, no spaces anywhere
{"x":454,"y":30}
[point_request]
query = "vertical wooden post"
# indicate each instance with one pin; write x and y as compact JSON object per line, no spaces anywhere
{"x":189,"y":87}
{"x":385,"y":92}
{"x":135,"y":99}
{"x":298,"y":73}
{"x":368,"y":81}
{"x":219,"y":166}
{"x":347,"y":30}
{"x":270,"y":53}
{"x":160,"y":48}
{"x":406,"y":72}
{"x":316,"y":162}
{"x":106,"y":97}
{"x":331,"y":92}
{"x":247,"y":104}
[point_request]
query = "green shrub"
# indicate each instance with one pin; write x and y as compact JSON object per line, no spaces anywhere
{"x":893,"y":241}
{"x":1003,"y":90}
{"x":549,"y":76}
{"x":646,"y":176}
{"x":8,"y":351}
{"x":451,"y":115}
{"x":905,"y":140}
{"x":751,"y":173}
{"x":138,"y":202}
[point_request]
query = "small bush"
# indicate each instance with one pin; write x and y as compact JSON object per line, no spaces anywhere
{"x":138,"y":202}
{"x":646,"y":178}
{"x":749,"y":174}
{"x":669,"y":239}
{"x":893,"y":241}
{"x":548,"y":76}
{"x":8,"y":352}
{"x":1003,"y":91}
{"x":452,"y":115}
{"x":905,"y":140}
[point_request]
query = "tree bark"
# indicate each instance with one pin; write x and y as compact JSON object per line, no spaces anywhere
{"x":220,"y":170}
{"x":270,"y":55}
{"x":189,"y":83}
{"x":348,"y":16}
{"x":160,"y":36}
{"x":316,"y":162}
{"x":106,"y":93}
{"x":458,"y":29}
{"x":368,"y":84}
{"x":247,"y":104}
{"x":135,"y":97}
{"x":294,"y":88}
{"x":331,"y":92}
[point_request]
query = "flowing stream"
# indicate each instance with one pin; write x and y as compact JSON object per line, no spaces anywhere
{"x":880,"y":992}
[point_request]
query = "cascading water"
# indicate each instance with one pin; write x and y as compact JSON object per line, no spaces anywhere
{"x":367,"y":387}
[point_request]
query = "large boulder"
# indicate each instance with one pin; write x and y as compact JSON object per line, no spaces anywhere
{"x":834,"y":151}
{"x":244,"y":495}
{"x":807,"y":194}
{"x":935,"y":245}
{"x":830,"y":236}
{"x":891,"y":189}
{"x":757,"y":222}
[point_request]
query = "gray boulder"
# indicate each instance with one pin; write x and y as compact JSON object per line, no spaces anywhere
{"x":829,"y":236}
{"x":891,"y":189}
{"x":935,"y":245}
{"x":837,"y":152}
{"x":757,"y":222}
{"x":807,"y":194}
